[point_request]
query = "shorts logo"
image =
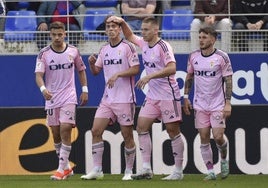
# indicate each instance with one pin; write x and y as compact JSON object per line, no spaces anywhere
{"x":171,"y":117}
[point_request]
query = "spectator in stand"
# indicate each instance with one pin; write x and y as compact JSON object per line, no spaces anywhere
{"x":52,"y":11}
{"x":250,"y":22}
{"x":215,"y":15}
{"x":2,"y":18}
{"x":16,"y":6}
{"x":135,"y":10}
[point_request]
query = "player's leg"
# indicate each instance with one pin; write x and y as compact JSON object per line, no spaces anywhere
{"x":218,"y":129}
{"x":177,"y":146}
{"x":125,"y":117}
{"x":67,"y":122}
{"x":172,"y":122}
{"x":99,"y":125}
{"x":144,"y":125}
{"x":129,"y":151}
{"x":202,"y":123}
{"x":149,"y":112}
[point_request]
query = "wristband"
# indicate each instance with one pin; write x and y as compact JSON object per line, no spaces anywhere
{"x":42,"y":88}
{"x":84,"y":89}
{"x":186,"y":96}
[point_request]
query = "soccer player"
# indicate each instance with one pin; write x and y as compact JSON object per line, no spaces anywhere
{"x":211,"y":72}
{"x":55,"y":76}
{"x":119,"y":61}
{"x":162,"y":100}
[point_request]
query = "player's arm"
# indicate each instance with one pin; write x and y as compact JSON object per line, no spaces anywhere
{"x":93,"y":68}
{"x":165,"y":72}
{"x":132,"y":71}
{"x":129,"y":35}
{"x":228,"y":94}
{"x":83,"y":81}
{"x":39,"y":79}
{"x":187,"y":89}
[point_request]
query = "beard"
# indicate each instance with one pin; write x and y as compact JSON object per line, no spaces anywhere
{"x":205,"y":47}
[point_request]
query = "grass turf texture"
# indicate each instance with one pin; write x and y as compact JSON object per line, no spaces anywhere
{"x":114,"y":181}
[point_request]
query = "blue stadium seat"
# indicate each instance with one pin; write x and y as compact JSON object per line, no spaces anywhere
{"x":172,"y":22}
{"x":23,"y":5}
{"x":180,"y":3}
{"x":93,"y":18}
{"x":100,"y":3}
{"x":17,"y":22}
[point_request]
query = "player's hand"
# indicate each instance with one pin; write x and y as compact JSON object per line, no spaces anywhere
{"x":115,"y":19}
{"x":187,"y":107}
{"x":227,"y":110}
{"x":111,"y":81}
{"x":83,"y":98}
{"x":47,"y":95}
{"x":92,"y":59}
{"x":142,"y":82}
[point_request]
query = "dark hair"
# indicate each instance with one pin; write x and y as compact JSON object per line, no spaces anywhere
{"x":209,"y":30}
{"x":57,"y":25}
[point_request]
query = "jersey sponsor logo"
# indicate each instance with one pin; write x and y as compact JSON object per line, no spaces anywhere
{"x":61,"y":66}
{"x":204,"y":73}
{"x":112,"y":62}
{"x":149,"y":64}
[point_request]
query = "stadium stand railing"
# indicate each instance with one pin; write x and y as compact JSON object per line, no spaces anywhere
{"x":18,"y":38}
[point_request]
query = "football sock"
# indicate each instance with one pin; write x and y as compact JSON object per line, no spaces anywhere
{"x":145,"y":148}
{"x":130,"y":157}
{"x":97,"y":152}
{"x":64,"y":156}
{"x":223,"y":150}
{"x":206,"y":153}
{"x":57,"y":148}
{"x":177,"y":149}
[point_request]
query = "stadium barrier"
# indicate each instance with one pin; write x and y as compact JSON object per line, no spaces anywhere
{"x":26,"y":144}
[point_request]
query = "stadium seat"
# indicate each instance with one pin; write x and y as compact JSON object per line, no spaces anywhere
{"x":100,"y":3}
{"x":93,"y":19}
{"x":180,"y":3}
{"x":17,"y":22}
{"x":23,"y":5}
{"x":176,"y":24}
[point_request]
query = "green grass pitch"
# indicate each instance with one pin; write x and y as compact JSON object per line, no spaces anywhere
{"x":114,"y":181}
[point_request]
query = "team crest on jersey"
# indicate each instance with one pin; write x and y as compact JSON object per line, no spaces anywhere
{"x":71,"y":59}
{"x":212,"y":64}
{"x":119,"y":52}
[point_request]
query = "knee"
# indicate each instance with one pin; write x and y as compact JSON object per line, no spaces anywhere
{"x":96,"y":132}
{"x":173,"y":132}
{"x":226,"y":23}
{"x":239,"y":26}
{"x":196,"y":24}
{"x":127,"y":135}
{"x":219,"y":139}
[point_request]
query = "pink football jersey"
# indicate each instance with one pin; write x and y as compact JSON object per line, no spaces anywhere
{"x":208,"y":73}
{"x":59,"y":70}
{"x":114,"y":59}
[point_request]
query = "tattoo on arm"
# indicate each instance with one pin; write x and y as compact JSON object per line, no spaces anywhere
{"x":229,"y":87}
{"x":188,"y":83}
